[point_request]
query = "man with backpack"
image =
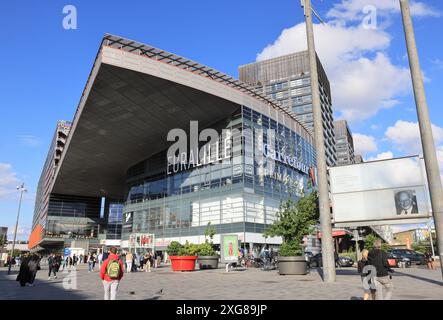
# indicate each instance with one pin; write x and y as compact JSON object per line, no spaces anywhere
{"x":111,"y":273}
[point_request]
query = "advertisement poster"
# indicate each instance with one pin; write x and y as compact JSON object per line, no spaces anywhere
{"x":145,"y":240}
{"x":380,"y":192}
{"x":229,"y":248}
{"x":140,"y":240}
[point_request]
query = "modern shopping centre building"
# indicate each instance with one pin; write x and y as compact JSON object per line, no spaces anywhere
{"x":115,"y":176}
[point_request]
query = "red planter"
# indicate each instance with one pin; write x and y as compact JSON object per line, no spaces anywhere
{"x":183,"y":263}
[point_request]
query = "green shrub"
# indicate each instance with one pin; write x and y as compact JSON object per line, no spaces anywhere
{"x":206,"y":249}
{"x":369,"y":243}
{"x":174,"y":248}
{"x":290,"y":249}
{"x":420,"y":247}
{"x":294,"y":221}
{"x":189,"y":249}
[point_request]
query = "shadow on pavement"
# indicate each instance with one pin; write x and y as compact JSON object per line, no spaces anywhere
{"x":42,"y":290}
{"x":437,"y":282}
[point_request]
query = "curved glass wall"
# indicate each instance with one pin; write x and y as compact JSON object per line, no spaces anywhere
{"x":239,"y":194}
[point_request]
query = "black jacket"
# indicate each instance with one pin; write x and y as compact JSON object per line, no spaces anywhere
{"x":379,"y":259}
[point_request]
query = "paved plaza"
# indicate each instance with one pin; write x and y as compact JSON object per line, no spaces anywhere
{"x":250,"y":284}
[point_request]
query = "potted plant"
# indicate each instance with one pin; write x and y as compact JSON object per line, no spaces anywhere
{"x":207,"y":257}
{"x":294,"y":221}
{"x":182,"y":257}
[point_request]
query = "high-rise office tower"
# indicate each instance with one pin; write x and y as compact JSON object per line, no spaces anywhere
{"x":287,"y":80}
{"x":344,"y":143}
{"x":358,"y":158}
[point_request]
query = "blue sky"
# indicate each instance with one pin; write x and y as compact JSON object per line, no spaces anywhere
{"x":44,"y":67}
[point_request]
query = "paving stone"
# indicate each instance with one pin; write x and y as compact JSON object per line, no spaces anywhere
{"x":251,"y":284}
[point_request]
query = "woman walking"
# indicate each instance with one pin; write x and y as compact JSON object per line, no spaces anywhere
{"x":429,"y":260}
{"x":90,"y":262}
{"x":34,"y":266}
{"x":368,"y":292}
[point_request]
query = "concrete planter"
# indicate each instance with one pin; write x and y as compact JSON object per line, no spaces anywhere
{"x":208,"y":262}
{"x":292,"y":265}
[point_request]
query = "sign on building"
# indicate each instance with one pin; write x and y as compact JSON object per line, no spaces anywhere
{"x":380,"y":192}
{"x":140,"y":241}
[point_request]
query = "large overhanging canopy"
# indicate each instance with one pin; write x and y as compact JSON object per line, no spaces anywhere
{"x":126,"y":118}
{"x":128,"y":106}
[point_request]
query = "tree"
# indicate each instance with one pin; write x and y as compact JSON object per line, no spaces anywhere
{"x":3,"y":241}
{"x":209,"y":232}
{"x":420,"y":247}
{"x":294,"y":221}
{"x":369,"y":243}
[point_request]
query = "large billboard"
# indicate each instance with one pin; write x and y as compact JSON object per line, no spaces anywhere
{"x":380,"y":192}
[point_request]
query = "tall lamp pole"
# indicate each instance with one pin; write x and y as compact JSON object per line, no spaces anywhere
{"x":322,"y":176}
{"x":427,"y":140}
{"x":22,"y":189}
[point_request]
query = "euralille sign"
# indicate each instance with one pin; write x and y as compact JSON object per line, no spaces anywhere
{"x":219,"y":148}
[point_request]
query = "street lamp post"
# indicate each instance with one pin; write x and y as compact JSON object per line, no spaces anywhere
{"x":424,"y":122}
{"x":22,"y":189}
{"x":322,"y":176}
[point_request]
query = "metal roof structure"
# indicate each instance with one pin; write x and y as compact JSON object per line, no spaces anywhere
{"x":114,"y":41}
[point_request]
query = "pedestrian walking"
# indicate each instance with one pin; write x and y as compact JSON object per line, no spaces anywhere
{"x":129,"y":262}
{"x":111,"y":273}
{"x":70,"y":260}
{"x":52,"y":264}
{"x":100,"y":260}
{"x":94,"y":261}
{"x":429,"y":260}
{"x":383,"y":281}
{"x":105,"y":255}
{"x":142,"y":261}
{"x":24,"y":274}
{"x":367,"y":290}
{"x":136,"y":261}
{"x":58,"y":260}
{"x":90,"y":262}
{"x":123,"y":259}
{"x":34,"y":266}
{"x":147,"y":262}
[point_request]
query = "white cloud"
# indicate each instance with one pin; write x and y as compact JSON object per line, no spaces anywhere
{"x":23,"y":232}
{"x":8,"y":181}
{"x":382,"y":156}
{"x":364,"y":143}
{"x":29,"y":140}
{"x":363,"y":79}
{"x":438,"y":63}
{"x":352,"y":10}
{"x":405,"y":136}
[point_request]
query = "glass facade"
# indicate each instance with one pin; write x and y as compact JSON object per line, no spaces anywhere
{"x":115,"y":219}
{"x":241,"y":193}
{"x":72,"y":217}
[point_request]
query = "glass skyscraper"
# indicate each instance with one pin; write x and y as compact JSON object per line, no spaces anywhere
{"x":287,"y":80}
